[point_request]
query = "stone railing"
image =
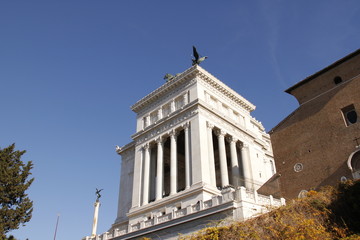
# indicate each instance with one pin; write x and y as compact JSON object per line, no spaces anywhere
{"x":228,"y":195}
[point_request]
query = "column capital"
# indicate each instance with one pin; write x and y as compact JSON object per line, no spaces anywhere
{"x":232,"y":139}
{"x":173,"y":133}
{"x":209,"y":125}
{"x":146,"y":146}
{"x":186,"y":125}
{"x":244,"y":145}
{"x":220,"y":133}
{"x":159,"y":140}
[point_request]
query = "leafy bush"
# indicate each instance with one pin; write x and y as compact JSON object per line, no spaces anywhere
{"x":331,"y":213}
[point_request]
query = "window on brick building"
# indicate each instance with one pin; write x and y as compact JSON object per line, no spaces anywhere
{"x":355,"y":165}
{"x":337,"y":80}
{"x":350,"y":115}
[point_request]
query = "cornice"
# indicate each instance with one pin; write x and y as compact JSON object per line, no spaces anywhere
{"x":231,"y":127}
{"x":169,"y":200}
{"x":224,"y":89}
{"x":164,"y":89}
{"x":326,"y":69}
{"x":193,"y":72}
{"x":121,"y":150}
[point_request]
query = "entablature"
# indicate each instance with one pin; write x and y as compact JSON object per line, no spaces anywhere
{"x":229,"y":126}
{"x":164,"y":89}
{"x":174,"y":120}
{"x":195,"y":72}
{"x":121,"y":150}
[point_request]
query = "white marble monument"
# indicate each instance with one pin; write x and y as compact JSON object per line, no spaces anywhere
{"x":197,"y":156}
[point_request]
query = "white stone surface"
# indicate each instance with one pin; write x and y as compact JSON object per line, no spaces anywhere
{"x":189,"y":114}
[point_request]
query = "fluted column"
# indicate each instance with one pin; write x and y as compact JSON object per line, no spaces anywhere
{"x":173,"y":163}
{"x":211,"y":154}
{"x":248,"y":181}
{"x":222,"y":153}
{"x":234,"y":162}
{"x":146,"y":174}
{"x":187,"y":156}
{"x":159,"y":168}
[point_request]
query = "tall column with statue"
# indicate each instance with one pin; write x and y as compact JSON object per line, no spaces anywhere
{"x":96,"y":212}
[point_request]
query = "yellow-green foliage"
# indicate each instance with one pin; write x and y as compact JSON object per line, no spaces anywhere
{"x":311,"y":217}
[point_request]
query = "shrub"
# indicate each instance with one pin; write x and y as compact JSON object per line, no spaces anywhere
{"x":331,"y":213}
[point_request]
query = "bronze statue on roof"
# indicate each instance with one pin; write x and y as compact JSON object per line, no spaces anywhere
{"x":197,"y":59}
{"x":169,"y":77}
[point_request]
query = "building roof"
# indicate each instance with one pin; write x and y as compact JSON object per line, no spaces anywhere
{"x":335,"y":64}
{"x":191,"y":72}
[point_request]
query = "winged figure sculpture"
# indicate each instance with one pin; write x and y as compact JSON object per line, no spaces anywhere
{"x":98,"y":196}
{"x":197,"y":59}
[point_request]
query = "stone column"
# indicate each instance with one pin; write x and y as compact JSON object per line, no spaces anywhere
{"x":96,"y":215}
{"x":159,"y":168}
{"x":173,"y":163}
{"x":146,"y":174}
{"x":222,"y":153}
{"x":137,"y":177}
{"x":234,"y":162}
{"x":245,"y":158}
{"x":211,"y":154}
{"x":187,"y":156}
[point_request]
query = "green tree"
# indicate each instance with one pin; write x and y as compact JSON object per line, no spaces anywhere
{"x":15,"y":206}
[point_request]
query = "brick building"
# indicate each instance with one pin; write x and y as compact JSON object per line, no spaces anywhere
{"x":319,"y":143}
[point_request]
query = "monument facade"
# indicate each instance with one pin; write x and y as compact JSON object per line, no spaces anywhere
{"x":197,"y":156}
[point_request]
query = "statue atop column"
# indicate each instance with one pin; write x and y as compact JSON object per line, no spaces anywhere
{"x":96,"y":212}
{"x":98,"y":195}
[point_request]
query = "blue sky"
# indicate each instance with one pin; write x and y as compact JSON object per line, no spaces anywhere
{"x":70,"y":70}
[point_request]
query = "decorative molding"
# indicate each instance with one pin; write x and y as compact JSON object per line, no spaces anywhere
{"x":216,"y":120}
{"x":225,"y":90}
{"x":159,"y":140}
{"x":146,"y":146}
{"x":220,"y":133}
{"x":195,"y":72}
{"x":173,"y":133}
{"x":227,"y":200}
{"x":231,"y":139}
{"x":163,"y":128}
{"x":186,"y":125}
{"x":245,"y":145}
{"x":121,"y":150}
{"x":213,"y":92}
{"x":298,"y":167}
{"x":166,"y":88}
{"x":209,"y":125}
